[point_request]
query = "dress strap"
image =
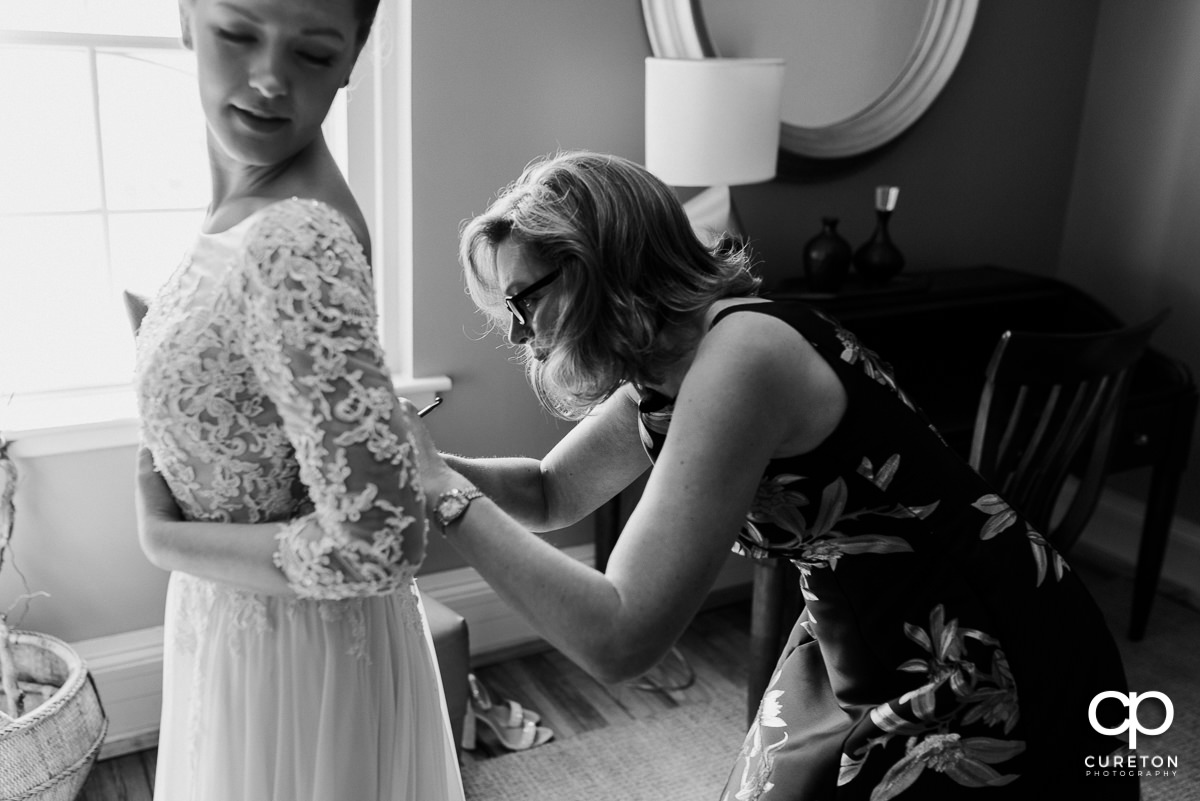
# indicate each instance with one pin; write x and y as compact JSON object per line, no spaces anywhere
{"x":766,"y":308}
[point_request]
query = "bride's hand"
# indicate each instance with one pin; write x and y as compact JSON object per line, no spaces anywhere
{"x":152,"y":497}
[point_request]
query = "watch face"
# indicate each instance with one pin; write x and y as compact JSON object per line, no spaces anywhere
{"x":452,"y":503}
{"x":450,"y":506}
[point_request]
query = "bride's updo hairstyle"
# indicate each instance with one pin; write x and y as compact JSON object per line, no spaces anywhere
{"x":635,"y":279}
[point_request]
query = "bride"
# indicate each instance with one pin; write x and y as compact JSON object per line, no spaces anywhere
{"x":298,"y":665}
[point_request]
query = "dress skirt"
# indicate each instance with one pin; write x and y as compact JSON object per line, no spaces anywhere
{"x":271,"y":699}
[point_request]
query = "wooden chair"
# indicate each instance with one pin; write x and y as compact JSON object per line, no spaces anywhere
{"x":1048,"y":410}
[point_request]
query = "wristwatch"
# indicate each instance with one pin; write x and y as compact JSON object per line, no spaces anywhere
{"x":452,"y":503}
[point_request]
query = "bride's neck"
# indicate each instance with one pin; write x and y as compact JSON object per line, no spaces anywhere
{"x":239,"y":189}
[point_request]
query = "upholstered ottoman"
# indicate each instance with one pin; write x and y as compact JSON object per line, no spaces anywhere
{"x":450,"y":641}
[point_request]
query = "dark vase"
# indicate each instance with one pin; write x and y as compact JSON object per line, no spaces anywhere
{"x":827,"y":258}
{"x":878,"y":260}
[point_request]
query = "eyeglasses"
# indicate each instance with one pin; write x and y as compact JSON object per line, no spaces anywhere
{"x":518,"y":304}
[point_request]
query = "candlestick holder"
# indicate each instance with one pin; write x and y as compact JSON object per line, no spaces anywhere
{"x":879,"y":260}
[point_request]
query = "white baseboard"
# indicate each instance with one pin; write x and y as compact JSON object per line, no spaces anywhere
{"x":127,"y":667}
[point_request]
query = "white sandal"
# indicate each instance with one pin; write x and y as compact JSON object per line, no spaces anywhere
{"x":514,"y":726}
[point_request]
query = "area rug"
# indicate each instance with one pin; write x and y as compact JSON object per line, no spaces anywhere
{"x":682,"y":754}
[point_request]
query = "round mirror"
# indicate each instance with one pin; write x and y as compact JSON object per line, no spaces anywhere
{"x":858,"y":73}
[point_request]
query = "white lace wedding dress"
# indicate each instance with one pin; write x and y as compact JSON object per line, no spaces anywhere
{"x":264,"y":397}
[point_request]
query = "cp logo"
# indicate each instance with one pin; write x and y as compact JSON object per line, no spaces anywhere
{"x":1132,"y":723}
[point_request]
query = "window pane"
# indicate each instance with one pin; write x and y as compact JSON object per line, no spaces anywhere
{"x":77,"y":231}
{"x":132,"y":17}
{"x":48,"y":139}
{"x":154,"y":148}
{"x":146,"y":248}
{"x":60,"y":324}
{"x":335,"y":131}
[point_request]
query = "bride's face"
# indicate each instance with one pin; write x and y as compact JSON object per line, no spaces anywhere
{"x":268,"y":70}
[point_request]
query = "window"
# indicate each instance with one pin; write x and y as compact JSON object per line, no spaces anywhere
{"x":104,"y":181}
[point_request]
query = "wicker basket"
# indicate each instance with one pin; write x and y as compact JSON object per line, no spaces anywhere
{"x":46,"y":753}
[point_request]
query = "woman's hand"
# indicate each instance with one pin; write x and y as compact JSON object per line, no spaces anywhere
{"x":436,"y":476}
{"x":240,"y":554}
{"x":152,"y":497}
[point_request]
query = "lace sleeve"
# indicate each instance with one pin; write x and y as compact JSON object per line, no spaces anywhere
{"x":310,"y":337}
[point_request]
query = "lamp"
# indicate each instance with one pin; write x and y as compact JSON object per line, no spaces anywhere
{"x":713,"y":122}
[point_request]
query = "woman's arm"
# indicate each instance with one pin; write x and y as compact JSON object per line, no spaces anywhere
{"x":746,"y":396}
{"x":598,"y":458}
{"x":309,"y":334}
{"x":238,"y":554}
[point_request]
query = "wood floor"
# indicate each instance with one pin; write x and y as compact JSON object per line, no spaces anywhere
{"x":124,"y":778}
{"x":569,"y":700}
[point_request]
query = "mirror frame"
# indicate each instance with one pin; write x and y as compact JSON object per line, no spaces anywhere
{"x":676,"y":29}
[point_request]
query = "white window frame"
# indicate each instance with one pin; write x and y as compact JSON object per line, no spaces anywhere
{"x":379,"y":156}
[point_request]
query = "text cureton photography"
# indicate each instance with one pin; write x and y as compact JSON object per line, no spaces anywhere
{"x":1133,"y":764}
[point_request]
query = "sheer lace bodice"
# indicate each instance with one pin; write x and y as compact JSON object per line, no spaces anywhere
{"x":264,"y":397}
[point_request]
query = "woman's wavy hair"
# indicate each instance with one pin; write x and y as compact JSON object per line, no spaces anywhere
{"x":635,"y":279}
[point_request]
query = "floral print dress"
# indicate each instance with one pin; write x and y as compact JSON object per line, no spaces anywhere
{"x":945,"y":650}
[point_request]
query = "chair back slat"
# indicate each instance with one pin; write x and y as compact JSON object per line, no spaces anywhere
{"x":1092,"y":482}
{"x":1031,"y":458}
{"x":1048,"y":410}
{"x":1005,"y":447}
{"x":1090,"y":400}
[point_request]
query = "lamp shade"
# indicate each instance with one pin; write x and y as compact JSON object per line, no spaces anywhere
{"x":713,"y":121}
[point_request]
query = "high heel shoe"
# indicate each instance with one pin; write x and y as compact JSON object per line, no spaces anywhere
{"x":514,"y":726}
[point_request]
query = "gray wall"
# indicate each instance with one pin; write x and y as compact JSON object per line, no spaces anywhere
{"x":1132,"y":234}
{"x":497,"y":84}
{"x":984,"y":175}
